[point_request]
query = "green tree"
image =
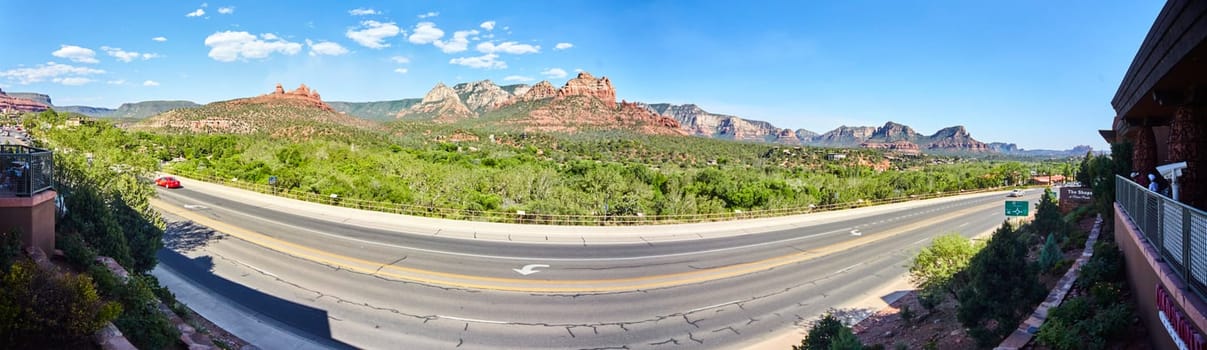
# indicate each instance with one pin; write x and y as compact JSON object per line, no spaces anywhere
{"x":1050,"y":254}
{"x":1002,"y":287}
{"x":937,"y":269}
{"x":1047,"y":217}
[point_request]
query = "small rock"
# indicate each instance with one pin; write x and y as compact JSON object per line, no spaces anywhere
{"x":888,"y":334}
{"x":956,"y":333}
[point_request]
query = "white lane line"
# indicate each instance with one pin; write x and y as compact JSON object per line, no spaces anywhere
{"x":259,"y":270}
{"x":712,"y":306}
{"x":471,"y":319}
{"x":383,"y":244}
{"x":848,"y":268}
{"x":920,"y":241}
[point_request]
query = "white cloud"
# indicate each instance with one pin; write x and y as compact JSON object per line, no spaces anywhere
{"x":150,"y":83}
{"x":425,"y":33}
{"x":457,"y":44}
{"x":562,"y":46}
{"x":578,"y":70}
{"x":226,"y":10}
{"x":486,"y":61}
{"x":372,"y":34}
{"x":429,"y":14}
{"x":400,"y":70}
{"x":400,"y":59}
{"x":325,"y":48}
{"x":363,"y":12}
{"x":116,"y":82}
{"x":75,"y":54}
{"x":159,"y":39}
{"x":205,"y":4}
{"x":50,"y":70}
{"x":197,"y":13}
{"x":229,"y":46}
{"x":488,"y":25}
{"x":518,"y":78}
{"x":510,"y":47}
{"x":72,"y":81}
{"x":554,"y":73}
{"x":127,"y":56}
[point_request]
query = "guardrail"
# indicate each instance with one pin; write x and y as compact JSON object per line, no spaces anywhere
{"x":1178,"y":231}
{"x":557,"y":219}
{"x":24,"y":170}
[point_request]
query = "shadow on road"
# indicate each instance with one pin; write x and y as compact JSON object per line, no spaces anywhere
{"x":306,"y":321}
{"x":185,"y":236}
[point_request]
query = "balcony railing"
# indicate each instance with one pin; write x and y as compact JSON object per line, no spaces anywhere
{"x":25,"y":171}
{"x":1177,"y":231}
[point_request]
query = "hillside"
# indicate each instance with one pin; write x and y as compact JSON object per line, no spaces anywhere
{"x":298,"y":114}
{"x":96,"y":112}
{"x":146,"y":109}
{"x":379,"y":111}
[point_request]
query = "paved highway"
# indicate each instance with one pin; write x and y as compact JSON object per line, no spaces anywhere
{"x":346,"y":282}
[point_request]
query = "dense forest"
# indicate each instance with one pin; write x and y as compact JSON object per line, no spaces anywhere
{"x":459,"y":172}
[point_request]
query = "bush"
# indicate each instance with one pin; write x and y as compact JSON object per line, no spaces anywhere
{"x":42,"y":309}
{"x":1050,"y":254}
{"x":829,"y":333}
{"x":142,"y":322}
{"x":937,"y":269}
{"x":907,"y":315}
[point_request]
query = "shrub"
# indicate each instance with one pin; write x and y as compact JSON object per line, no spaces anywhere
{"x":142,"y":322}
{"x":1050,"y":255}
{"x":829,"y":333}
{"x":938,"y":268}
{"x":907,"y":315}
{"x":42,"y":309}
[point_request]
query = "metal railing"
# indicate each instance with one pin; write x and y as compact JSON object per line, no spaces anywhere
{"x":1176,"y":230}
{"x":25,"y":171}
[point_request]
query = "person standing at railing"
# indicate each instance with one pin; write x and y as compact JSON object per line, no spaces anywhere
{"x":1158,"y":184}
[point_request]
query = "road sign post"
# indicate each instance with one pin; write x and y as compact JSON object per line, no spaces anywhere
{"x":1017,"y":208}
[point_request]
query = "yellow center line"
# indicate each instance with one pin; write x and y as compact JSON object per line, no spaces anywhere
{"x":403,"y":273}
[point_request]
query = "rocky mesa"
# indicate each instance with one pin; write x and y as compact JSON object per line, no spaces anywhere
{"x":16,"y":105}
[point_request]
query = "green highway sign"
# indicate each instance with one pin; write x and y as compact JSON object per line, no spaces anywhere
{"x":1016,"y":208}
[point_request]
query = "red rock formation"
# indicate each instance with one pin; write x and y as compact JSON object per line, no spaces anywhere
{"x":302,"y":94}
{"x":586,"y":85}
{"x":899,"y":146}
{"x":9,"y":104}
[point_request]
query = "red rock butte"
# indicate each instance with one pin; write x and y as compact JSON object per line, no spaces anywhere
{"x":9,"y":104}
{"x":302,"y":94}
{"x":586,"y":85}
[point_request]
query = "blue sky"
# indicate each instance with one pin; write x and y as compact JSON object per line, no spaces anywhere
{"x":1037,"y":73}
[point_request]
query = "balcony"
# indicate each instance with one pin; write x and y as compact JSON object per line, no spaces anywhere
{"x":25,"y":171}
{"x":1175,"y":230}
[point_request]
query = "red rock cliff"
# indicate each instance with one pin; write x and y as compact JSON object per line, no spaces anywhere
{"x":10,"y":104}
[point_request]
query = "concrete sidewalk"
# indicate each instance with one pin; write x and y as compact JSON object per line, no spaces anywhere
{"x":552,"y":234}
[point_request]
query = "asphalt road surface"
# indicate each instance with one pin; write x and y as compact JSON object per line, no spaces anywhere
{"x":344,"y":285}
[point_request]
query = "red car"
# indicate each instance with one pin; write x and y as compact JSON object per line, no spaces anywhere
{"x":168,"y":182}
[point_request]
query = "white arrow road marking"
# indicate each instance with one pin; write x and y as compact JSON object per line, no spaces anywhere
{"x":856,"y":233}
{"x":195,"y":207}
{"x":528,"y":269}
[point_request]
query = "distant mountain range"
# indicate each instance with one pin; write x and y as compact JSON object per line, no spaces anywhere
{"x":588,"y":103}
